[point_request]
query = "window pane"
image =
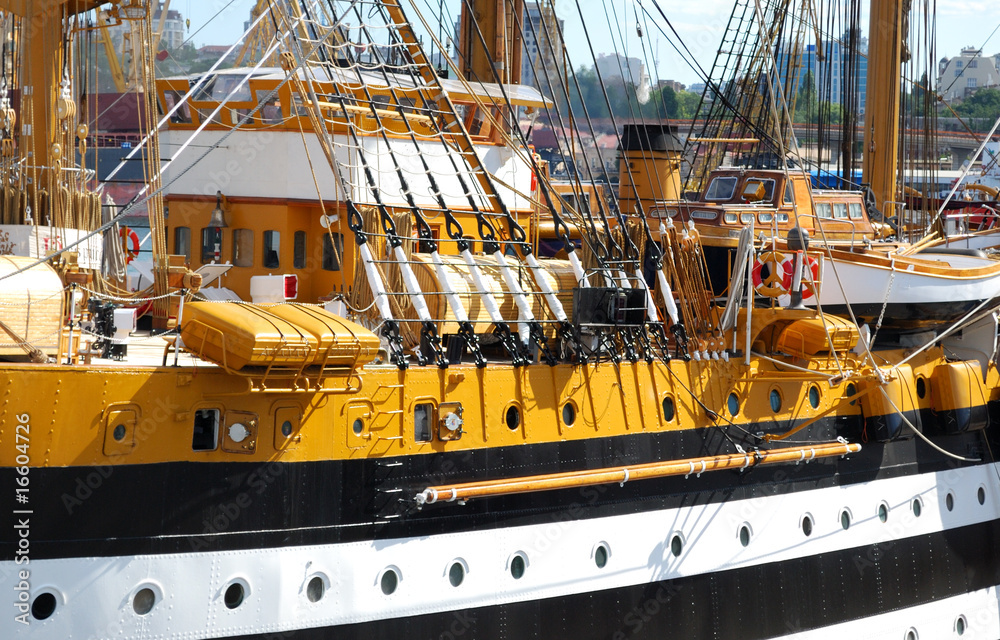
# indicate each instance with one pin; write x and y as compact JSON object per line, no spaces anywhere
{"x":855,"y":211}
{"x":272,"y":249}
{"x":789,"y":194}
{"x":839,"y":210}
{"x":823,"y":210}
{"x":243,"y":247}
{"x":182,"y":242}
{"x":721,"y":188}
{"x":331,"y":253}
{"x":211,"y":245}
{"x":299,"y":249}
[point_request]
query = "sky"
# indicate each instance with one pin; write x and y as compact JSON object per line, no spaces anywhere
{"x":700,"y":25}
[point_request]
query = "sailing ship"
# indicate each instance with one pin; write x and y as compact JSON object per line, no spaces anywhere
{"x":371,"y":408}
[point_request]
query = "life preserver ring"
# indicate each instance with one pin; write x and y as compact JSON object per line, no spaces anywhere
{"x":773,"y":284}
{"x":130,"y":243}
{"x":808,"y":286}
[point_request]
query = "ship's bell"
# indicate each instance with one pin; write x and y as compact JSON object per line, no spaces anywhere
{"x":218,"y":215}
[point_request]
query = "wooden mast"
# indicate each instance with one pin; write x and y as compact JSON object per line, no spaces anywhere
{"x":498,"y":20}
{"x":882,"y":106}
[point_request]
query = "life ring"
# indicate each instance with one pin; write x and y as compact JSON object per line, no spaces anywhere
{"x":788,"y":268}
{"x":773,"y":285}
{"x":130,"y":243}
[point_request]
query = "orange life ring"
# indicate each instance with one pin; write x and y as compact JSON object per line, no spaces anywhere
{"x":130,"y":243}
{"x":788,"y":268}
{"x":773,"y":284}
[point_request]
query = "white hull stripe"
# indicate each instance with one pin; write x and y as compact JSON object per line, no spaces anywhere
{"x":95,"y":595}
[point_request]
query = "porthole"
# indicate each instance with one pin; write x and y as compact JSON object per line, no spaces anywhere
{"x":119,"y":433}
{"x":569,"y":414}
{"x":917,"y":507}
{"x":512,"y":417}
{"x":845,"y":519}
{"x":358,"y":426}
{"x":286,"y":428}
{"x":517,"y":566}
{"x":143,"y":601}
{"x":814,"y":397}
{"x":911,"y":634}
{"x":676,"y":545}
{"x":668,"y":409}
{"x":850,"y":392}
{"x":315,"y":589}
{"x":235,"y":595}
{"x":883,"y":512}
{"x":744,"y":534}
{"x":456,"y":573}
{"x":807,"y":525}
{"x":921,"y":387}
{"x":601,"y":555}
{"x":981,"y":495}
{"x":43,"y":606}
{"x":961,"y":624}
{"x":949,"y":501}
{"x":733,"y":404}
{"x":389,"y":581}
{"x":775,"y":398}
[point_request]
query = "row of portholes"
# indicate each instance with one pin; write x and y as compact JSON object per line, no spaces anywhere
{"x":146,"y":598}
{"x":775,"y":399}
{"x":916,"y":506}
{"x":391,"y":576}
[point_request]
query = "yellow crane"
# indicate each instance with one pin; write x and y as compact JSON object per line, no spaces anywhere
{"x":119,"y":61}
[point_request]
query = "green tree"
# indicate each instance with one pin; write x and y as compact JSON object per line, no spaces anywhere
{"x":980,"y":109}
{"x":806,"y":107}
{"x":687,"y":104}
{"x":668,"y":102}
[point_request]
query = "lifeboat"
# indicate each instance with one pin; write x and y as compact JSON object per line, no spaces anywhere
{"x":237,"y":335}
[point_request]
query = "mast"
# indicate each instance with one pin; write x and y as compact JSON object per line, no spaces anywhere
{"x":498,"y":20}
{"x":885,"y":54}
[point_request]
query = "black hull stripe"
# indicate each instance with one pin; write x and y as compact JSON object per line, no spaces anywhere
{"x":753,"y":603}
{"x":185,"y":507}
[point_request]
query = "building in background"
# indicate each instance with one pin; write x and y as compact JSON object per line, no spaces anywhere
{"x":542,"y":46}
{"x":961,"y":76}
{"x":831,"y":72}
{"x":631,"y":70}
{"x":673,"y":84}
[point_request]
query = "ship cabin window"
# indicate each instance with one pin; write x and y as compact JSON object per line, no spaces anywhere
{"x":333,"y":250}
{"x":243,"y":247}
{"x":580,"y":204}
{"x":789,"y":193}
{"x":299,"y":250}
{"x":823,"y":211}
{"x":211,"y":245}
{"x":270,"y":110}
{"x":781,"y":217}
{"x":423,"y":416}
{"x":721,"y":188}
{"x":840,"y":210}
{"x":206,"y":430}
{"x":182,"y":115}
{"x":182,"y":242}
{"x":272,"y":249}
{"x":854,"y":210}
